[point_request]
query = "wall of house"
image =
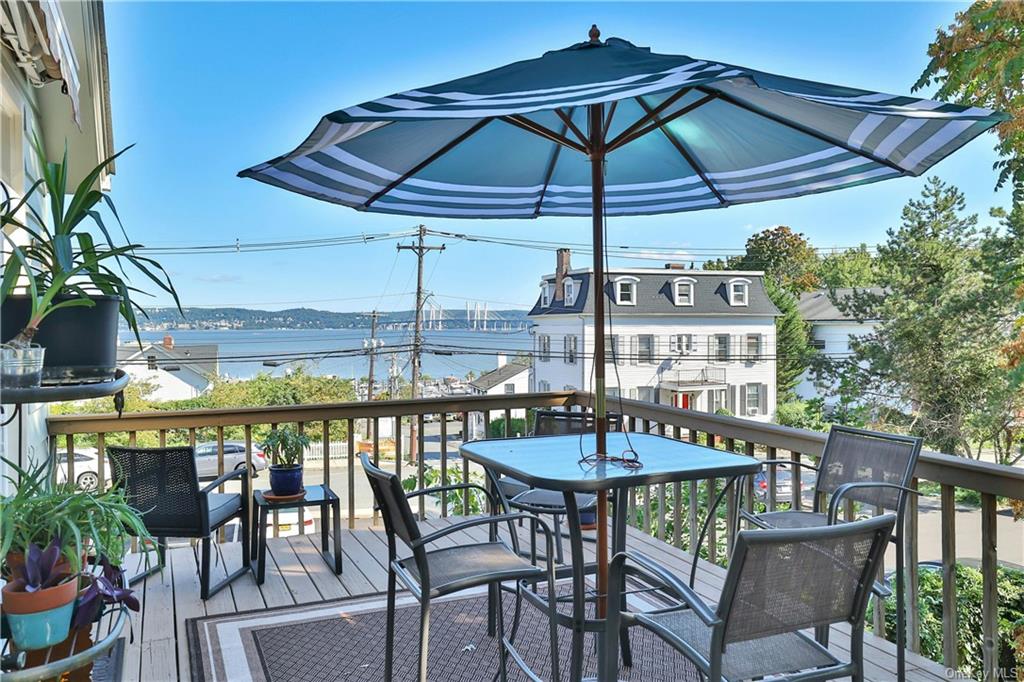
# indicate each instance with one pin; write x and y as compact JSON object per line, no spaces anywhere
{"x":654,"y":380}
{"x":180,"y":385}
{"x":835,"y":335}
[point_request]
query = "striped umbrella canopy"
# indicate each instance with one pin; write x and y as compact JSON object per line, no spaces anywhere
{"x":680,"y":134}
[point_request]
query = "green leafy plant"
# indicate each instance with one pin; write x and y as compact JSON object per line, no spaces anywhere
{"x":287,"y":445}
{"x":63,"y":258}
{"x":456,"y":499}
{"x":86,"y":521}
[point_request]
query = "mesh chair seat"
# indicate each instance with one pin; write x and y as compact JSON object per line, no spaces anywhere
{"x":223,"y":506}
{"x":554,"y":499}
{"x":458,"y":568}
{"x":510,"y":487}
{"x":777,"y":654}
{"x":791,"y":519}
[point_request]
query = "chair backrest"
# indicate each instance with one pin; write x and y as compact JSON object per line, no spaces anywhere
{"x":162,"y":484}
{"x":787,"y":580}
{"x":854,"y":455}
{"x":559,"y":423}
{"x":390,"y":497}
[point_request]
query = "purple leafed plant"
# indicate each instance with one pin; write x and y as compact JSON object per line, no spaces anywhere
{"x":40,"y":568}
{"x":103,"y":589}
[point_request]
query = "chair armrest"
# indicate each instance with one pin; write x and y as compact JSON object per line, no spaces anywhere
{"x":837,"y":496}
{"x":681,"y":590}
{"x":234,"y":473}
{"x":798,"y":463}
{"x":454,"y":486}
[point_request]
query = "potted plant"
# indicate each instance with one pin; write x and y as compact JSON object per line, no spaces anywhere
{"x":76,"y":283}
{"x":287,"y":446}
{"x":39,"y":600}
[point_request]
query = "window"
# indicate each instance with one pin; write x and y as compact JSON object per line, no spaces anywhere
{"x":545,"y":295}
{"x":543,"y":386}
{"x":717,"y":400}
{"x":570,"y":347}
{"x":753,"y":349}
{"x":818,"y":344}
{"x":625,"y":290}
{"x":680,"y":343}
{"x":151,"y":361}
{"x":613,"y":391}
{"x":544,"y":347}
{"x":569,"y":287}
{"x":739,"y":291}
{"x":753,"y":398}
{"x":645,"y":349}
{"x":645,"y":393}
{"x":721,"y":347}
{"x":611,"y":350}
{"x":682,"y":290}
{"x":510,"y":388}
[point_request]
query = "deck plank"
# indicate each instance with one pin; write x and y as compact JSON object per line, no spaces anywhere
{"x":324,"y":580}
{"x":300,"y":586}
{"x":187,"y":603}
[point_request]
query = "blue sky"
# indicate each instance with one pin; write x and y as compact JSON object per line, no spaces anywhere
{"x":206,"y":89}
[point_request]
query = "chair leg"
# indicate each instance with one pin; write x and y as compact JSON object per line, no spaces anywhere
{"x":425,"y":636}
{"x":559,"y":553}
{"x":389,"y":637}
{"x":517,"y":613}
{"x":204,"y":569}
{"x":553,"y":626}
{"x":245,"y":539}
{"x":502,"y":653}
{"x":161,"y":561}
{"x":901,"y":605}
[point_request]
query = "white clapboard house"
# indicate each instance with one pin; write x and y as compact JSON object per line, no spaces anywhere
{"x":699,"y":340}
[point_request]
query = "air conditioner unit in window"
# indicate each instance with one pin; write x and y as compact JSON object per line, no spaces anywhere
{"x":753,"y":412}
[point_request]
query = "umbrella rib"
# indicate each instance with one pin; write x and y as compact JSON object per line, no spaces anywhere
{"x":644,"y":120}
{"x":427,"y":161}
{"x":802,"y":128}
{"x":520,"y":121}
{"x":567,"y":119}
{"x":623,"y":139}
{"x":681,"y":148}
{"x":548,"y":173}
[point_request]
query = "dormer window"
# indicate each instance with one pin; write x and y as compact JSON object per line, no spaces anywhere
{"x":545,"y":294}
{"x":682,"y":290}
{"x":739,"y":292}
{"x":569,"y":289}
{"x":625,"y":290}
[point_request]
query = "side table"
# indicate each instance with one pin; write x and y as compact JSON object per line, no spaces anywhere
{"x":316,"y":496}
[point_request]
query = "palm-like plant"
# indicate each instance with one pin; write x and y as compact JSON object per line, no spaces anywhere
{"x":63,"y":258}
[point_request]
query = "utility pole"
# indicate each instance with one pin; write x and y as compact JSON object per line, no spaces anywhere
{"x":369,"y":383}
{"x":420,"y":249}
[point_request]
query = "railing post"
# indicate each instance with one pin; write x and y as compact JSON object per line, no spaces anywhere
{"x":989,"y":590}
{"x":444,"y":463}
{"x":913,"y":612}
{"x":465,"y":464}
{"x":421,"y":464}
{"x":351,"y":465}
{"x":949,"y":615}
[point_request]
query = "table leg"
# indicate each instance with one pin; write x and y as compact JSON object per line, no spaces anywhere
{"x":254,"y":540}
{"x":336,"y":527}
{"x":579,"y":613}
{"x":261,"y":569}
{"x":619,"y":545}
{"x":325,"y":518}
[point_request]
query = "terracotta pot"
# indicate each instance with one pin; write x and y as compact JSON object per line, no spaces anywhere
{"x":18,"y":602}
{"x":38,"y":620}
{"x":15,"y":560}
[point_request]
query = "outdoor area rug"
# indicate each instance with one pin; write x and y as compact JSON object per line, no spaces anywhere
{"x":344,"y":640}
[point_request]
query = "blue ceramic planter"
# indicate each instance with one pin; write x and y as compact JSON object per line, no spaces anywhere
{"x":42,"y":629}
{"x":286,"y":479}
{"x":588,"y":518}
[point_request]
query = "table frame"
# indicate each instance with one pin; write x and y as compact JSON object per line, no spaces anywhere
{"x":330,"y":510}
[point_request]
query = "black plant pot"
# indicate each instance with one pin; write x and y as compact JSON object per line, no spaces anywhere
{"x":80,"y":342}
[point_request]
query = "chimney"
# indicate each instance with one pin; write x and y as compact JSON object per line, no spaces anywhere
{"x":168,"y":341}
{"x":502,"y":360}
{"x":562,"y":266}
{"x":675,"y":266}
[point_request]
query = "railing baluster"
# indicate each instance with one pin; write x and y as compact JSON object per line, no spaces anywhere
{"x":274,"y":516}
{"x":662,"y":515}
{"x":444,"y":464}
{"x":101,"y":462}
{"x":69,"y":471}
{"x":691,"y":517}
{"x":508,"y":422}
{"x":351,"y":424}
{"x":220,"y":470}
{"x":132,"y":439}
{"x":677,"y":501}
{"x":301,"y":428}
{"x":376,"y":459}
{"x":487,"y":424}
{"x":989,"y":592}
{"x":713,"y":523}
{"x":192,"y":437}
{"x":949,"y":617}
{"x":398,"y":447}
{"x":748,"y":502}
{"x":421,"y":459}
{"x":730,"y":504}
{"x":162,"y":435}
{"x":773,"y":477}
{"x":631,"y":507}
{"x":794,"y":478}
{"x":913,"y":613}
{"x":648,"y":518}
{"x":878,"y":624}
{"x":465,"y":464}
{"x":325,"y":429}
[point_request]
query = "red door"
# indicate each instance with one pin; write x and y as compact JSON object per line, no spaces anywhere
{"x":681,"y":400}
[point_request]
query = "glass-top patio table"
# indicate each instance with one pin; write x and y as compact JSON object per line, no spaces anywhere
{"x":558,"y":463}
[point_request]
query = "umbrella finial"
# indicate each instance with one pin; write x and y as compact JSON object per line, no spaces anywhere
{"x":595,"y":33}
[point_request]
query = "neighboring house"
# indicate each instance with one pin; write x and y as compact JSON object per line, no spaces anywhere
{"x":830,"y":331}
{"x":175,"y":372}
{"x":508,"y":378}
{"x":54,"y":88}
{"x":699,"y":340}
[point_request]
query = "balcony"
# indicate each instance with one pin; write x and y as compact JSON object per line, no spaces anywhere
{"x":296,"y":575}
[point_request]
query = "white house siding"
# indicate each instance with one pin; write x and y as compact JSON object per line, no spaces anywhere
{"x":179,"y":385}
{"x":671,"y":373}
{"x":519,"y":383}
{"x":833,"y":338}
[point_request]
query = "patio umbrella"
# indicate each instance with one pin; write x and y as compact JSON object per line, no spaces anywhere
{"x":606,"y":128}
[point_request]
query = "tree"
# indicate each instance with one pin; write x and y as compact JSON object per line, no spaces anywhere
{"x":785,"y":256}
{"x":845,"y":269}
{"x":979,"y":61}
{"x":791,"y":346}
{"x":934,"y":358}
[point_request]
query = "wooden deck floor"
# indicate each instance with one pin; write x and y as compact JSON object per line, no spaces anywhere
{"x":297,"y":574}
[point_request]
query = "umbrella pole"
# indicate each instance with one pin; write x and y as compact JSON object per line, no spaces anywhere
{"x":595,"y":113}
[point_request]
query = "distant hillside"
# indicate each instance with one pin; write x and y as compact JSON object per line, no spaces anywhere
{"x":304,"y":318}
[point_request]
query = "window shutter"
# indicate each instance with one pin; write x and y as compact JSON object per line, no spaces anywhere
{"x":730,"y":398}
{"x":743,"y":399}
{"x":634,"y":349}
{"x":712,"y":347}
{"x":673,"y":343}
{"x":762,"y":398}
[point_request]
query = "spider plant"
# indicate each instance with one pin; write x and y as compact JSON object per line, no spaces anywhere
{"x":65,"y":258}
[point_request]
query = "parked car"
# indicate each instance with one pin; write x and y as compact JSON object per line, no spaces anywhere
{"x":87,"y":470}
{"x":783,"y":483}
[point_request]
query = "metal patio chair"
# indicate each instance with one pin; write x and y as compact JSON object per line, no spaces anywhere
{"x":857,"y":465}
{"x":432,"y":573}
{"x":163,"y":485}
{"x":779,"y":583}
{"x":538,"y":501}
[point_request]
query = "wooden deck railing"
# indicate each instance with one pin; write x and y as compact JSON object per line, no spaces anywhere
{"x":672,"y":513}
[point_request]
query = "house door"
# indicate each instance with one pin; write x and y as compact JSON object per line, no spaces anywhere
{"x":686,"y":401}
